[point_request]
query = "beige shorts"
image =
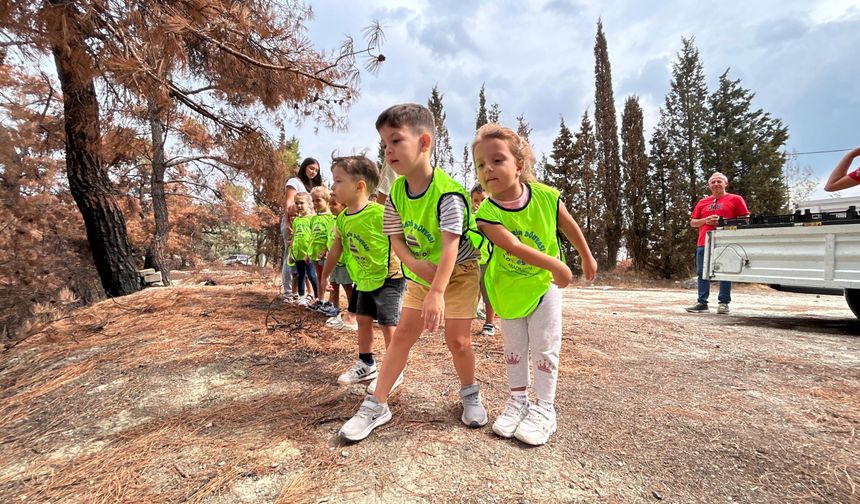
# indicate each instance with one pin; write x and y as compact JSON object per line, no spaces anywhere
{"x":461,"y":296}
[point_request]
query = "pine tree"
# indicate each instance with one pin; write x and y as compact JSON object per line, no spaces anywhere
{"x":747,"y":146}
{"x":467,"y":175}
{"x":481,"y":119}
{"x":442,"y":156}
{"x":635,"y":163}
{"x":560,"y":175}
{"x":523,"y":128}
{"x":590,"y":200}
{"x":608,"y":162}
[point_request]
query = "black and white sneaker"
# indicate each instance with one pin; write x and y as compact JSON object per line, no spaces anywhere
{"x":359,"y":372}
{"x":698,"y":308}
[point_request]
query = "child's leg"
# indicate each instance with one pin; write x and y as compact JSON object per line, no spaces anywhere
{"x":544,"y":335}
{"x":301,"y":268}
{"x":459,"y":342}
{"x":347,"y":317}
{"x":334,"y":295}
{"x":287,"y":278}
{"x":405,"y":335}
{"x":516,"y":345}
{"x":319,"y":267}
{"x":365,"y":334}
{"x":312,"y":275}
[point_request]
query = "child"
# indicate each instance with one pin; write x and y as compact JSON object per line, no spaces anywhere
{"x":301,"y":246}
{"x":477,"y":194}
{"x":339,"y":276}
{"x":321,"y":227}
{"x":288,"y":270}
{"x":430,"y":223}
{"x":525,"y":271}
{"x":379,"y":284}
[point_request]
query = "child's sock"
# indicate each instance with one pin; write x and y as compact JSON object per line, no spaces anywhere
{"x":521,"y":396}
{"x":366,"y":358}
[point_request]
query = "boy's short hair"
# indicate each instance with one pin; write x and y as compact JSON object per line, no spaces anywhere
{"x":359,"y":168}
{"x":477,"y":188}
{"x":323,"y":190}
{"x":412,"y":115}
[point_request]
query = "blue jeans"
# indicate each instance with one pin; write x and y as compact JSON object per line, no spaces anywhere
{"x":306,"y":268}
{"x":725,"y":296}
{"x":287,"y":273}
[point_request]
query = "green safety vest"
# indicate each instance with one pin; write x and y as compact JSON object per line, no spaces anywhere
{"x":368,"y":248}
{"x":420,"y":218}
{"x":321,"y":227}
{"x":515,"y":287}
{"x":302,"y":237}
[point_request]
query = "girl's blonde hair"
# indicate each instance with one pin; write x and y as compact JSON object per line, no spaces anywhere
{"x":520,"y":149}
{"x":306,"y":197}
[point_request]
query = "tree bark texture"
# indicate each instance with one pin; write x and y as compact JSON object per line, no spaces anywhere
{"x":88,"y":178}
{"x":156,"y":252}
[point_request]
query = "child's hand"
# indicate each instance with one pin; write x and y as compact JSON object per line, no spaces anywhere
{"x":433,"y":310}
{"x":589,"y":268}
{"x":425,"y":270}
{"x":561,"y":275}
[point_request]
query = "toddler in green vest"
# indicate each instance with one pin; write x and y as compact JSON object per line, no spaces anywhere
{"x":432,"y":230}
{"x":322,"y":224}
{"x":478,"y":196}
{"x":338,"y":278}
{"x":522,"y":218}
{"x":301,"y":246}
{"x":379,"y":283}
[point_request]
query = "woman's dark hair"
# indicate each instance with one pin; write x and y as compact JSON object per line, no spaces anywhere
{"x":303,"y":176}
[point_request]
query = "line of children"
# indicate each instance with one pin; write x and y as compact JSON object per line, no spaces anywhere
{"x":428,"y":229}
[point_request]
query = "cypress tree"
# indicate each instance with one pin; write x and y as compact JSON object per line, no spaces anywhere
{"x":523,"y":128}
{"x":608,"y":162}
{"x":495,"y":113}
{"x":636,"y":186}
{"x":559,"y":173}
{"x":442,"y":155}
{"x":589,"y":184}
{"x":481,"y":119}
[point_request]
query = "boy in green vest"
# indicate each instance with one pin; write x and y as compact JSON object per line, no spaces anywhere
{"x":433,"y":232}
{"x":379,"y":283}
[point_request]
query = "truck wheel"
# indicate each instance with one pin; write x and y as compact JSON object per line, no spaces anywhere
{"x":852,"y":296}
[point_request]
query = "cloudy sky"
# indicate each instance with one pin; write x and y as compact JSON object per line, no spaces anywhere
{"x":536,"y":58}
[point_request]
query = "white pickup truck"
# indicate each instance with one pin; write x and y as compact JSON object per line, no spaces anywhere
{"x":816,"y":249}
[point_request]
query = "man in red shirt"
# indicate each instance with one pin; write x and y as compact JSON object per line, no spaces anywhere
{"x":706,"y":215}
{"x":841,"y":178}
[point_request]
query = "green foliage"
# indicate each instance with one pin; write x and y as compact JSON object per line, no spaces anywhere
{"x":747,"y":146}
{"x":635,"y":162}
{"x":481,"y":119}
{"x":608,"y":162}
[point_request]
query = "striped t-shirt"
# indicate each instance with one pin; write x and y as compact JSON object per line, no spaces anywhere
{"x":451,"y":211}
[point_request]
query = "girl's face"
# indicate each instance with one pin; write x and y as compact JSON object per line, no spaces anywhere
{"x":498,"y":170}
{"x":311,"y":170}
{"x":334,"y":205}
{"x":320,"y":203}
{"x":302,"y":206}
{"x":477,"y":199}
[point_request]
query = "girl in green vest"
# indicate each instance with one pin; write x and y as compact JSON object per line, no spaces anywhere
{"x":522,"y":218}
{"x":301,"y":246}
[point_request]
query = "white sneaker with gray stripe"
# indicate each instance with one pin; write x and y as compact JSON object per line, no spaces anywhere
{"x":370,"y":415}
{"x":474,"y":413}
{"x":359,"y":372}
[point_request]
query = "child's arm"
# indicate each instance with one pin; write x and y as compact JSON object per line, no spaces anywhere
{"x":330,"y":261}
{"x":839,"y":179}
{"x":434,"y":302}
{"x":506,"y":241}
{"x":424,"y":269}
{"x":571,"y":230}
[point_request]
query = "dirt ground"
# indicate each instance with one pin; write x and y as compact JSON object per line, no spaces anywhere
{"x":222,"y":394}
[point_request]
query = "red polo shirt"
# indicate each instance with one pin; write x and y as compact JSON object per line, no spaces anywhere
{"x":728,"y":206}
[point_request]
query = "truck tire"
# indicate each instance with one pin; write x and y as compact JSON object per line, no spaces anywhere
{"x":852,"y":296}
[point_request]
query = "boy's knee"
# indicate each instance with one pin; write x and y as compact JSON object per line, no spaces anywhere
{"x":460,"y":344}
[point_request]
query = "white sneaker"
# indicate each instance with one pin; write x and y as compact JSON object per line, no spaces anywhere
{"x":357,"y":373}
{"x":506,"y":423}
{"x":371,"y":389}
{"x":370,"y":415}
{"x":303,"y":301}
{"x":474,"y":413}
{"x":537,"y":427}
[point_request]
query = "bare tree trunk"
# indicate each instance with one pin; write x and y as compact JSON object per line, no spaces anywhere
{"x":155,"y":253}
{"x":88,"y":178}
